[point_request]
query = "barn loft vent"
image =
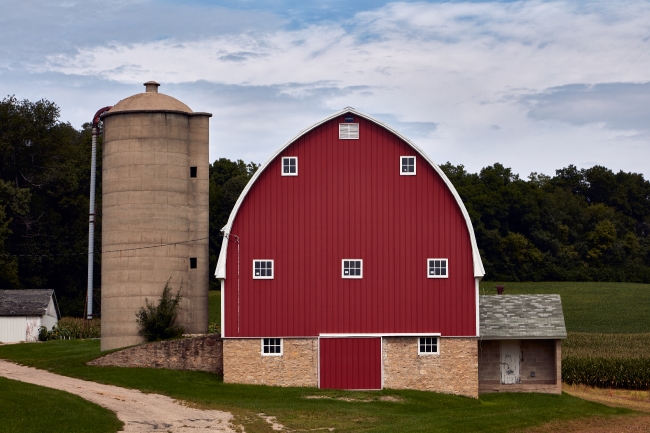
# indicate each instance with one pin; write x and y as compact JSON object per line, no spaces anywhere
{"x":348,"y":131}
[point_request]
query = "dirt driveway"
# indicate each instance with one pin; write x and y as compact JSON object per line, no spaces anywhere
{"x":140,"y":412}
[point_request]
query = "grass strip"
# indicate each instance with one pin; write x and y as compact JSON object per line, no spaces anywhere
{"x":30,"y":408}
{"x":612,"y":346}
{"x":311,"y":408}
{"x":607,"y":308}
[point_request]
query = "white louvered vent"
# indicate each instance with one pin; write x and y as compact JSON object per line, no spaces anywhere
{"x":348,"y":131}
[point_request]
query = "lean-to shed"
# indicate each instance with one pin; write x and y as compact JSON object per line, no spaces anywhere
{"x":520,"y":343}
{"x":22,"y":312}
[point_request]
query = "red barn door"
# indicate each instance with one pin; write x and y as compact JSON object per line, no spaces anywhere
{"x":350,"y":363}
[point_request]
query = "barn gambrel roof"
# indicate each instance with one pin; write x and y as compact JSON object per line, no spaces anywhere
{"x":505,"y":317}
{"x":220,"y":272}
{"x":27,"y":302}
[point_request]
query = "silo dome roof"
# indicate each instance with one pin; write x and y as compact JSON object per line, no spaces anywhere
{"x":151,"y":100}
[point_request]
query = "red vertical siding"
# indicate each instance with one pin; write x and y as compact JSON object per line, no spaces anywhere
{"x":349,"y":201}
{"x":350,"y":363}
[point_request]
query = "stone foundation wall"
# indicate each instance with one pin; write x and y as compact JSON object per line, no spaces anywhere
{"x":203,"y":353}
{"x":453,"y":371}
{"x":244,"y":363}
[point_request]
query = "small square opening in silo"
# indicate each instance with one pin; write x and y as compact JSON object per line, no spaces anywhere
{"x":192,"y":262}
{"x":192,"y":171}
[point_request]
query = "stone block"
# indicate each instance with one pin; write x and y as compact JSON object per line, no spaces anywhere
{"x":244,"y":363}
{"x":453,"y":371}
{"x":203,"y":353}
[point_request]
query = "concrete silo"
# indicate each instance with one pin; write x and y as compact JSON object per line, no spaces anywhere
{"x":154,"y":212}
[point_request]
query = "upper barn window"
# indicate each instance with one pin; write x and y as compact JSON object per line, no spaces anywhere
{"x":290,"y":166}
{"x":437,"y":268}
{"x":407,"y":165}
{"x":352,"y":268}
{"x":348,"y":131}
{"x":263,"y":269}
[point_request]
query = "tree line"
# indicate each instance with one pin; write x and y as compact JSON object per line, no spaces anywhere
{"x":581,"y":224}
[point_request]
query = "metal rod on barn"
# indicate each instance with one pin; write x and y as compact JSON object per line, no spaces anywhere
{"x":91,"y":214}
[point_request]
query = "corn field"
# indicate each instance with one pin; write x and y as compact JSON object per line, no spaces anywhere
{"x":72,"y":328}
{"x":630,"y":373}
{"x":607,"y":360}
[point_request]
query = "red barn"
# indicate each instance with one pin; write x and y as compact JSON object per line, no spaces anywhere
{"x":349,"y":261}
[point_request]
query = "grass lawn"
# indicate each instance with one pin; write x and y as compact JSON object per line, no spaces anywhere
{"x":310,"y":408}
{"x":29,"y":408}
{"x":214,"y":306}
{"x":606,"y":308}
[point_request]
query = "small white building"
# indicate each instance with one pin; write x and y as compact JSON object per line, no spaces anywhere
{"x":23,"y":312}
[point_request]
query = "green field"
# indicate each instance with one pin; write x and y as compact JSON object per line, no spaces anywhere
{"x":596,"y":310}
{"x":618,"y":346}
{"x":297,"y":409}
{"x":214,"y":306}
{"x":605,"y":308}
{"x":29,"y":408}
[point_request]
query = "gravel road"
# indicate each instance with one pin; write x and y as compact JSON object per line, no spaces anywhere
{"x":140,"y":412}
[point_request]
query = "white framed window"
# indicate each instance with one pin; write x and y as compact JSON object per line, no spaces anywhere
{"x":271,"y":347}
{"x":428,"y":346}
{"x":348,"y":131}
{"x":407,"y":165}
{"x":290,"y":166}
{"x":262,"y":269}
{"x":437,"y":268}
{"x":352,"y":268}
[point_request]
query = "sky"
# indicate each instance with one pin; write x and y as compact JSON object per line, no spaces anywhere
{"x":533,"y":85}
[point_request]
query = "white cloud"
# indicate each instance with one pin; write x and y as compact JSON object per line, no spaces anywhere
{"x":480,"y":72}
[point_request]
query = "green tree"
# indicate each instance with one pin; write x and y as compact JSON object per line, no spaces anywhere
{"x":46,"y":236}
{"x":581,"y":224}
{"x":15,"y":200}
{"x":227,"y":181}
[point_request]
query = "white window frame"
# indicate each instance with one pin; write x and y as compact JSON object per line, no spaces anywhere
{"x":259,"y":277}
{"x":272,"y":354}
{"x":437,"y":352}
{"x":348,"y":131}
{"x":438,"y":276}
{"x":401,"y":165}
{"x":282,"y":167}
{"x":351,"y":276}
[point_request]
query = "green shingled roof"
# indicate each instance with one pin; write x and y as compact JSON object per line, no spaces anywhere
{"x":521,"y":317}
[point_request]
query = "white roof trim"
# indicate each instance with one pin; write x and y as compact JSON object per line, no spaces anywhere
{"x":220,"y":272}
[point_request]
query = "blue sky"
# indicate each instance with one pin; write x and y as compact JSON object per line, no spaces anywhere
{"x":535,"y":85}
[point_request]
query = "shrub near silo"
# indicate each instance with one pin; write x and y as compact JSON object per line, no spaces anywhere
{"x":158,"y":322}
